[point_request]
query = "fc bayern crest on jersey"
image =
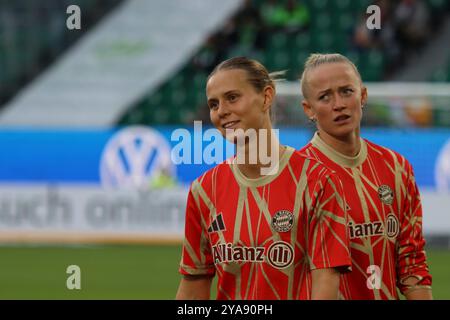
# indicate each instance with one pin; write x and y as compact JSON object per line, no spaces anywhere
{"x":386,"y":194}
{"x":283,"y":221}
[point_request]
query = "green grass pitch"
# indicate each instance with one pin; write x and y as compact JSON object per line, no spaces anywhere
{"x":121,"y":272}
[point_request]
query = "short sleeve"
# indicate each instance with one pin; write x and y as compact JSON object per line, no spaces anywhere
{"x":328,"y":243}
{"x":196,"y":253}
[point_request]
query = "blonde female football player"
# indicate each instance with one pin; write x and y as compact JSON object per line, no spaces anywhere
{"x":384,"y":208}
{"x":278,"y":233}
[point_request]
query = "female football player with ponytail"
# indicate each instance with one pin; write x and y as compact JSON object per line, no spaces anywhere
{"x":266,"y":230}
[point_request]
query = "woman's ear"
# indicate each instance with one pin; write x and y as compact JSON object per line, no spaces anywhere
{"x":363,"y":96}
{"x":307,"y":109}
{"x":269,"y":94}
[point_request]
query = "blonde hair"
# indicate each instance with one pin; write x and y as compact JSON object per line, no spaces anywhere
{"x":318,"y":59}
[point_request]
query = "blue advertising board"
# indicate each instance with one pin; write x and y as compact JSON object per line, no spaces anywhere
{"x":76,"y":156}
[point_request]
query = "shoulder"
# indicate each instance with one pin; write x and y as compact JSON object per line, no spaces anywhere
{"x":205,"y":181}
{"x":315,"y":169}
{"x":391,"y":156}
{"x":307,"y":148}
{"x":311,"y":151}
{"x":319,"y":180}
{"x":301,"y":158}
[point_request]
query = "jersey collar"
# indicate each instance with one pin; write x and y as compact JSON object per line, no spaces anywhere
{"x":338,"y":157}
{"x":243,"y":180}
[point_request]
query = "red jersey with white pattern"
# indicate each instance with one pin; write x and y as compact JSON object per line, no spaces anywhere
{"x":262,"y":237}
{"x":384,"y":220}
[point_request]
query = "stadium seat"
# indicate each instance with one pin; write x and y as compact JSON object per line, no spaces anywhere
{"x":161,"y":116}
{"x":302,"y":41}
{"x":322,"y":22}
{"x":317,"y":6}
{"x":341,"y":42}
{"x":345,"y":22}
{"x":156,"y":99}
{"x":361,"y":6}
{"x":440,"y":75}
{"x":278,"y":41}
{"x":437,"y":4}
{"x":323,"y":42}
{"x":277,"y":59}
{"x":372,"y":66}
{"x":355,"y":57}
{"x":341,"y":6}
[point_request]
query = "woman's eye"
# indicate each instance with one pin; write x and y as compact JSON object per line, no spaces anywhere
{"x":232,"y":97}
{"x":323,"y":97}
{"x":213,"y":105}
{"x":348,"y":91}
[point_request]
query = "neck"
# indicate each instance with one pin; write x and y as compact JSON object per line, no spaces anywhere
{"x":258,"y":154}
{"x":349,"y":145}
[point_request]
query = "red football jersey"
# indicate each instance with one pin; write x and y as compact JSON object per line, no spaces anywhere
{"x":384,"y":219}
{"x":262,"y":237}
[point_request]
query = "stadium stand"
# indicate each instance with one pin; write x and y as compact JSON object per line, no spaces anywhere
{"x":33,"y":35}
{"x":282,"y":33}
{"x":117,"y":63}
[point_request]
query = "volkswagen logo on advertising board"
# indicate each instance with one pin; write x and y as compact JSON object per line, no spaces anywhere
{"x":133,"y":157}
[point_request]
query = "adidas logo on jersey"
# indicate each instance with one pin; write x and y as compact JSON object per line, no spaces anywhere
{"x":217,"y":224}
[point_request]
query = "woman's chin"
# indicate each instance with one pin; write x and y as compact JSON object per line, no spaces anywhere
{"x":342,"y":133}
